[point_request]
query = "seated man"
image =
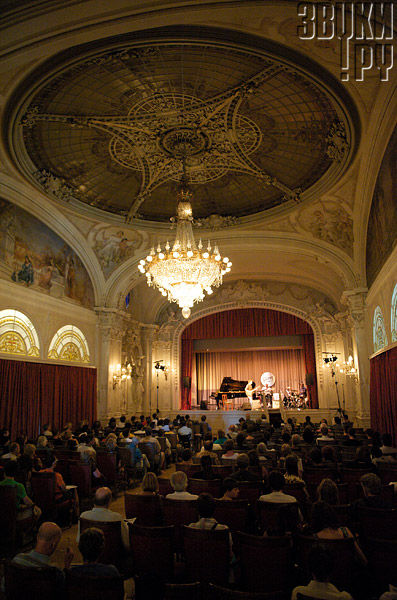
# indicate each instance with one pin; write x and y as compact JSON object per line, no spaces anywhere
{"x":207,"y":450}
{"x":320,"y":563}
{"x":101,"y":512}
{"x":206,"y":509}
{"x":372,"y":488}
{"x":242,"y":473}
{"x":387,"y":447}
{"x":178,"y":481}
{"x":277,"y":482}
{"x":91,"y":544}
{"x":48,"y":537}
{"x":14,"y":452}
{"x":159,"y":457}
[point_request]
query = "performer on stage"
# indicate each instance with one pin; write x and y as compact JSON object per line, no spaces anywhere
{"x":250,"y":390}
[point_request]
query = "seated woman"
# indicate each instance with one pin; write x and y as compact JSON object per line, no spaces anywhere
{"x":256,"y":466}
{"x":150,"y":485}
{"x":221,"y":438}
{"x":328,"y":492}
{"x":325,"y":525}
{"x":207,"y":471}
{"x":292,"y":474}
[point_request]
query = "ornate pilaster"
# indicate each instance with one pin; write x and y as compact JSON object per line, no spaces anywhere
{"x":110,"y":331}
{"x":355,"y":300}
{"x":148,"y":332}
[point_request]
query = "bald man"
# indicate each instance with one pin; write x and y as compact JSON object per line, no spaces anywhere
{"x":48,"y":537}
{"x":101,"y":512}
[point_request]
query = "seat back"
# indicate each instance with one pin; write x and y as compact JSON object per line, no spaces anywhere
{"x":342,"y":552}
{"x":80,"y":475}
{"x":277,"y":518}
{"x":190,"y":470}
{"x":250,"y":490}
{"x":382,"y":559}
{"x":199,"y":486}
{"x":222,"y":470}
{"x":107,"y":464}
{"x":216,"y":592}
{"x":125,"y":457}
{"x":377,"y":523}
{"x":352,"y":478}
{"x":148,"y":449}
{"x":88,"y":587}
{"x":387,"y":472}
{"x":113,"y":549}
{"x":148,"y":510}
{"x":165,"y":486}
{"x":30,"y":582}
{"x":179,"y":513}
{"x":266,"y":562}
{"x":232,"y":513}
{"x":207,"y":554}
{"x":8,"y":520}
{"x":181,"y":591}
{"x":43,"y":492}
{"x":153,"y":550}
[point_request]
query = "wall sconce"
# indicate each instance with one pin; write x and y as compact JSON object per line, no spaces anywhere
{"x":121,"y":373}
{"x":349,"y":369}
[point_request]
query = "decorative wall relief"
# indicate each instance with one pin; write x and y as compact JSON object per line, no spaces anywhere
{"x":329,"y":222}
{"x":113,"y":245}
{"x":31,"y":254}
{"x":382,"y":224}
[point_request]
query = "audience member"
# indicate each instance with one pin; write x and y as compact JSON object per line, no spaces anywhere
{"x":14,"y":452}
{"x":328,"y":492}
{"x":101,"y":512}
{"x":320,"y":564}
{"x":91,"y":545}
{"x":231,"y":489}
{"x":207,"y":472}
{"x":242,"y":473}
{"x":179,"y":482}
{"x":48,"y":538}
{"x":229,"y":452}
{"x":387,"y":447}
{"x":277,"y":482}
{"x":26,"y":508}
{"x":150,"y":485}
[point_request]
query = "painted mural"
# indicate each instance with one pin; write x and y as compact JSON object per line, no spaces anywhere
{"x":382,"y":224}
{"x":33,"y":255}
{"x":113,"y":245}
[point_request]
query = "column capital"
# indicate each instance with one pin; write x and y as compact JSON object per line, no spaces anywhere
{"x":355,"y":300}
{"x":111,"y":323}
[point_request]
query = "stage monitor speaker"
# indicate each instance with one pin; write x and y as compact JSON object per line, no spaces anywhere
{"x":186,"y":381}
{"x":309,"y":379}
{"x":275,"y":418}
{"x":246,"y":406}
{"x":203,"y":405}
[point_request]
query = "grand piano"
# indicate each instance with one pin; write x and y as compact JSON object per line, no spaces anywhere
{"x":231,"y":389}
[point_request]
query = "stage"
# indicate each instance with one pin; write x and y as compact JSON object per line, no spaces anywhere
{"x":222,"y":419}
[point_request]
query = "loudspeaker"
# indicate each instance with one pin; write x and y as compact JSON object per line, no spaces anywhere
{"x":309,"y":379}
{"x":246,"y":406}
{"x":203,"y":405}
{"x":186,"y":382}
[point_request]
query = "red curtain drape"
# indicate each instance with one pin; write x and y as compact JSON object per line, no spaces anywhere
{"x":246,"y":322}
{"x":32,"y":394}
{"x":383,"y":392}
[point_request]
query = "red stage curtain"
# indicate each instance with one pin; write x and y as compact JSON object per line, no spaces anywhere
{"x":34,"y":393}
{"x":383,"y":392}
{"x":247,"y":322}
{"x":186,"y":373}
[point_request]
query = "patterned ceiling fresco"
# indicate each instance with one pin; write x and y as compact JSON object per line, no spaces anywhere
{"x":112,"y":129}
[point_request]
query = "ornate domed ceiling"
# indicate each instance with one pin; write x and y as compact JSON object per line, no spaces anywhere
{"x":108,"y":125}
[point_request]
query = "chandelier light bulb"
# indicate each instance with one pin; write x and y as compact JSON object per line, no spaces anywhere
{"x":186,"y":312}
{"x":161,"y":255}
{"x":218,"y":257}
{"x":226,"y":260}
{"x":149,"y":258}
{"x":229,"y":264}
{"x":175,"y":254}
{"x":189,"y":253}
{"x":205,"y":255}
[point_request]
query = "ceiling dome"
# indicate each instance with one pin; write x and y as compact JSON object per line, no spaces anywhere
{"x":110,"y":125}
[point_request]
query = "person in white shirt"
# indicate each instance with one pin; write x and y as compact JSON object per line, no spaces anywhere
{"x":320,"y":564}
{"x":178,"y":481}
{"x":277,"y":482}
{"x":101,"y":512}
{"x":387,"y":447}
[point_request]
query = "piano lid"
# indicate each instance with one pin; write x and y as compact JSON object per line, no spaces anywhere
{"x":232,"y":385}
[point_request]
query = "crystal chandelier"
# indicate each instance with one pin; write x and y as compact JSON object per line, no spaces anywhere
{"x":185,"y":272}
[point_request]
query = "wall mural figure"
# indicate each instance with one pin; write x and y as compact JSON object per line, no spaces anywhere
{"x":34,"y":255}
{"x":382,"y":224}
{"x":113,"y":246}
